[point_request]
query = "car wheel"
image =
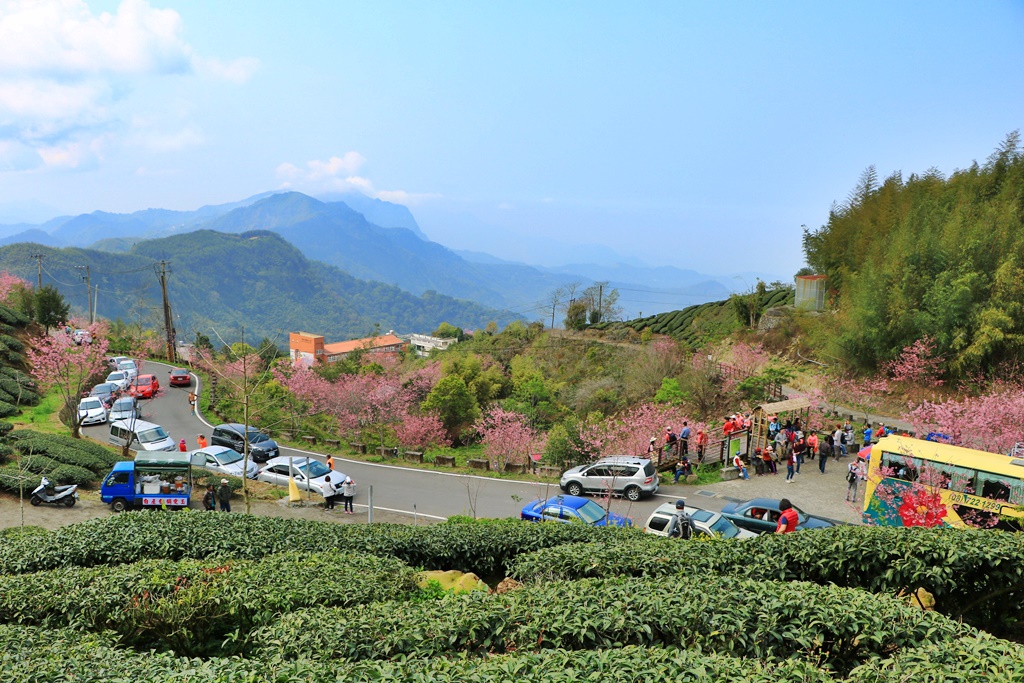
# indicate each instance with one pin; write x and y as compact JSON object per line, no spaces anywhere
{"x":36,"y":500}
{"x":574,"y":488}
{"x":632,"y":493}
{"x":69,"y":502}
{"x":119,"y":505}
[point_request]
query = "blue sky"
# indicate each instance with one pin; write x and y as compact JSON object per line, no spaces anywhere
{"x":701,"y":135}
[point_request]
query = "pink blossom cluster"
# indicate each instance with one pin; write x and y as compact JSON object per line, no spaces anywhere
{"x":918,"y":364}
{"x":381,"y":403}
{"x":991,"y":422}
{"x":8,"y":283}
{"x":508,"y":438}
{"x":630,"y":432}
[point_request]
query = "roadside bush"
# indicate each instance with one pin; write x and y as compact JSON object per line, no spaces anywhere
{"x":192,"y":606}
{"x":6,"y":409}
{"x":12,"y":391}
{"x":836,"y":627}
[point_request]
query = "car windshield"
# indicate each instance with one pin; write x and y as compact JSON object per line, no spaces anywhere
{"x":151,"y":435}
{"x":124,"y":404}
{"x":591,"y":512}
{"x":102,"y":389}
{"x":90,"y":404}
{"x":257,"y":436}
{"x":179,"y":371}
{"x":143,"y":380}
{"x":228,"y":457}
{"x":314,"y":469}
{"x":115,"y":377}
{"x":126,"y":364}
{"x":725,"y":528}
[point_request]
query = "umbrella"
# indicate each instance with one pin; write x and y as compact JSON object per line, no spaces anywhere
{"x":864,"y":453}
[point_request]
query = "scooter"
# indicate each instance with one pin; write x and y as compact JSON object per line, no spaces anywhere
{"x":60,"y":495}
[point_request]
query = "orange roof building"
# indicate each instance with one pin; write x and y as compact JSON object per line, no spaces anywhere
{"x":310,"y":348}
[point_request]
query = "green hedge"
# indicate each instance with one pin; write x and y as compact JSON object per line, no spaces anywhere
{"x":975,"y":574}
{"x":837,"y":627}
{"x":65,"y":450}
{"x":35,"y":468}
{"x":32,"y":654}
{"x":12,"y":317}
{"x":485,"y":549}
{"x":192,"y":606}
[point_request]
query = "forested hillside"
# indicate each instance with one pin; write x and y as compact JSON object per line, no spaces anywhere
{"x":254,"y":279}
{"x":929,"y":256}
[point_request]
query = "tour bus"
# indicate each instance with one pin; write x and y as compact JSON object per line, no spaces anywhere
{"x":911,"y":482}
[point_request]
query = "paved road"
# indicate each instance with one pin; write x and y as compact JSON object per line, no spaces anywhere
{"x":398,"y":489}
{"x":443,"y":494}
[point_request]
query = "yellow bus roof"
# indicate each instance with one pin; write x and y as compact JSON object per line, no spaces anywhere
{"x":995,"y":463}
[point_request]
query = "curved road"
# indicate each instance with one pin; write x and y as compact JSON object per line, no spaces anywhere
{"x":397,"y":489}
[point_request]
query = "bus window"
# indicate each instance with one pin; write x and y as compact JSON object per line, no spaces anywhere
{"x":994,"y":487}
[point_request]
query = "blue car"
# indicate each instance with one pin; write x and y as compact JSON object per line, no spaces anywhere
{"x":567,"y":509}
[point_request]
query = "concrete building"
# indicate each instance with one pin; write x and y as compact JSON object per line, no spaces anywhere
{"x":423,"y":344}
{"x":310,"y":348}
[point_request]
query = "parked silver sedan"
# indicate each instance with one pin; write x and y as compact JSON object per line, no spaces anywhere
{"x":223,"y":460}
{"x":309,"y":474}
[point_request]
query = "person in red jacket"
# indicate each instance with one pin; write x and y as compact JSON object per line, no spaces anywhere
{"x":788,"y":519}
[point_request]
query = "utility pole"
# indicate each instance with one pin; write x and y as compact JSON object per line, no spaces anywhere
{"x":168,"y":323}
{"x":88,"y":290}
{"x":39,"y":262}
{"x":600,"y":304}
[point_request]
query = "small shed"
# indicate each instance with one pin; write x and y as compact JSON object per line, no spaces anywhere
{"x":795,"y":407}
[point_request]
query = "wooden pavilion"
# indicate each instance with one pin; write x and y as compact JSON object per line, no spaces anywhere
{"x":795,"y":407}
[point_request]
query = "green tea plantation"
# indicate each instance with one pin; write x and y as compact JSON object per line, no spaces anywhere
{"x":203,"y":597}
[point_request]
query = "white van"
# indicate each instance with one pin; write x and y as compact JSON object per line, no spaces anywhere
{"x":140,"y":436}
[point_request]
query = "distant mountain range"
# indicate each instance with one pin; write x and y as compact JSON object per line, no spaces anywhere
{"x":379,"y":241}
{"x":221,"y":283}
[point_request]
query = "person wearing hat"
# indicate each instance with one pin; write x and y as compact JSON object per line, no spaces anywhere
{"x":681,"y":525}
{"x":651,"y":448}
{"x":224,"y":496}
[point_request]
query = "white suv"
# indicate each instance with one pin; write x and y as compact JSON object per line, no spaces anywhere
{"x":624,"y":475}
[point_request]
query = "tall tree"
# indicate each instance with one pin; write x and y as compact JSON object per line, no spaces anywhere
{"x":50,"y":307}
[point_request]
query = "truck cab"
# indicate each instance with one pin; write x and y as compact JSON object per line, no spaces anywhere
{"x":153,"y":479}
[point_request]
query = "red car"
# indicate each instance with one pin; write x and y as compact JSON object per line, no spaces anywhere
{"x":180,"y":377}
{"x":144,"y":386}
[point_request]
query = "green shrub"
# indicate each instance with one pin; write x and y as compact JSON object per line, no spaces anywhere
{"x":485,"y":549}
{"x":972,"y":658}
{"x":65,"y":450}
{"x":6,"y":409}
{"x":32,"y":654}
{"x":191,"y":606}
{"x":837,"y":627}
{"x":972,"y":573}
{"x":12,"y":317}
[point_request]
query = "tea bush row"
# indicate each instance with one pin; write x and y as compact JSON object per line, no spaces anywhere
{"x":486,"y":549}
{"x":193,"y":606}
{"x":34,"y":654}
{"x":836,"y":627}
{"x":27,"y":473}
{"x":65,"y":450}
{"x":971,"y":572}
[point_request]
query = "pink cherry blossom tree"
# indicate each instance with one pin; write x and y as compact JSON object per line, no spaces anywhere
{"x":8,"y":284}
{"x":507,"y":438}
{"x":993,"y":421}
{"x":63,"y":366}
{"x":421,"y":432}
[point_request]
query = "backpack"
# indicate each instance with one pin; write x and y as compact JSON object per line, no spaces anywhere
{"x":851,"y":476}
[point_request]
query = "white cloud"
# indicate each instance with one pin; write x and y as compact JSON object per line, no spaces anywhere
{"x":337,"y":174}
{"x":65,"y":72}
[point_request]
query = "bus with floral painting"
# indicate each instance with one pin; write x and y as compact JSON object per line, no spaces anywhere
{"x":911,"y":482}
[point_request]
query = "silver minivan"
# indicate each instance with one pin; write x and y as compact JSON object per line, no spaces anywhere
{"x":140,"y":436}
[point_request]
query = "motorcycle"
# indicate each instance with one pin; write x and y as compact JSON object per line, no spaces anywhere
{"x":46,"y":492}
